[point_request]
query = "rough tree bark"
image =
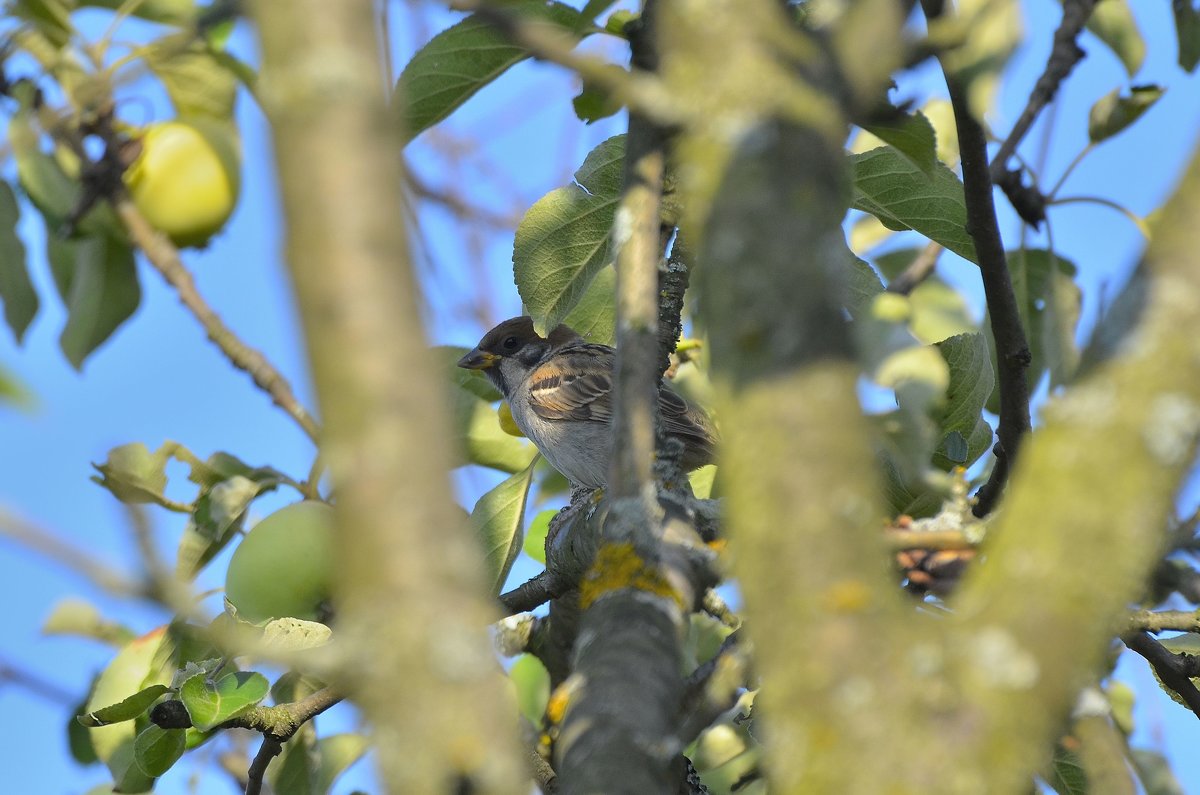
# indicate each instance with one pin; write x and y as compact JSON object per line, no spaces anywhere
{"x":412,"y":604}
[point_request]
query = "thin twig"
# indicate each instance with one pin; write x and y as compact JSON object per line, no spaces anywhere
{"x":1012,"y":350}
{"x":920,"y":269}
{"x":1168,"y":666}
{"x":1064,"y":55}
{"x":48,"y":545}
{"x":164,"y":257}
{"x":284,"y":720}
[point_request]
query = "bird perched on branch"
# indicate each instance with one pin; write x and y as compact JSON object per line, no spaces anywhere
{"x":560,"y":391}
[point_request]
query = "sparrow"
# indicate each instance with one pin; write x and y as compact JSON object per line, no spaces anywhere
{"x":559,"y":389}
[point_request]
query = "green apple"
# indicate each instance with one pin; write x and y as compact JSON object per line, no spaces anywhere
{"x":283,"y":567}
{"x":185,"y":180}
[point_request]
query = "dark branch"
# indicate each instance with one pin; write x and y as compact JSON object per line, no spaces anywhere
{"x":270,"y":749}
{"x":1064,"y":55}
{"x":1012,"y":350}
{"x":1172,"y":669}
{"x":534,"y":592}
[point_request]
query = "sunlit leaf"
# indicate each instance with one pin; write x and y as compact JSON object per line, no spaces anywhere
{"x":1112,"y":113}
{"x":134,"y":475}
{"x":336,"y":753}
{"x":212,"y":703}
{"x":563,"y":240}
{"x":499,"y":519}
{"x":197,"y":80}
{"x":464,"y":58}
{"x":888,"y":186}
{"x":1112,"y":22}
{"x":535,"y":536}
{"x":533,"y":687}
{"x":125,"y":675}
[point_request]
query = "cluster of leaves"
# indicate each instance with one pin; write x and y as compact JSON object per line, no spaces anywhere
{"x":76,"y":82}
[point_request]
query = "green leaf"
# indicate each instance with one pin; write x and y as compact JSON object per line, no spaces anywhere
{"x":938,"y":312}
{"x":213,"y":703}
{"x":702,"y":481}
{"x":336,"y":753}
{"x":1187,"y":33}
{"x":888,"y":186}
{"x":295,"y":770}
{"x":499,"y":518}
{"x":464,"y":58}
{"x":480,"y":440}
{"x":532,"y":681}
{"x":966,"y":436}
{"x":156,"y":749}
{"x":228,"y":486}
{"x":1049,"y":302}
{"x":127,"y":709}
{"x":912,"y":135}
{"x":1067,"y":775}
{"x":563,"y":241}
{"x":51,"y":18}
{"x":1112,"y":113}
{"x":79,"y":739}
{"x":131,"y":670}
{"x":595,"y":316}
{"x":1155,"y":773}
{"x":288,"y":635}
{"x":861,"y":286}
{"x":16,"y":290}
{"x":1112,"y":22}
{"x":97,"y":278}
{"x":197,"y":80}
{"x":134,"y":475}
{"x":595,"y":102}
{"x":535,"y":536}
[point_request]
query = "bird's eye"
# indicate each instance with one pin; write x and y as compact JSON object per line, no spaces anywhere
{"x":509,"y":344}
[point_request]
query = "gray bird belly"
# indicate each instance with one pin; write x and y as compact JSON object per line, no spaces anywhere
{"x":579,"y":450}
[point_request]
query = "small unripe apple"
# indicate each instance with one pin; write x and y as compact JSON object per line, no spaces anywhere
{"x":283,"y":567}
{"x":185,"y":180}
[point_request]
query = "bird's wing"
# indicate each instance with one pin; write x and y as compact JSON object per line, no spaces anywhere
{"x":574,"y":384}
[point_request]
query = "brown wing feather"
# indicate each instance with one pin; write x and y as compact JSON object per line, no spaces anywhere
{"x":575,"y":385}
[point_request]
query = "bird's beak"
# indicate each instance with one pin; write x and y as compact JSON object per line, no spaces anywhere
{"x":478,"y":360}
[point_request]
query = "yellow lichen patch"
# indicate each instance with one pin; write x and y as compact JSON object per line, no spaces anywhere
{"x":848,"y":596}
{"x":560,"y":699}
{"x":620,"y":566}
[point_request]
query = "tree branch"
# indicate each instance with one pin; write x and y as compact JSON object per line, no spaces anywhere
{"x":1012,"y":350}
{"x":1064,"y":55}
{"x":282,"y":721}
{"x":1164,"y":621}
{"x":1168,"y":666}
{"x":270,"y":749}
{"x":413,"y":606}
{"x":531,"y":593}
{"x":164,"y":257}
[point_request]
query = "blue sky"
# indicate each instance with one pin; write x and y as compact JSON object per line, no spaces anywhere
{"x":160,"y":379}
